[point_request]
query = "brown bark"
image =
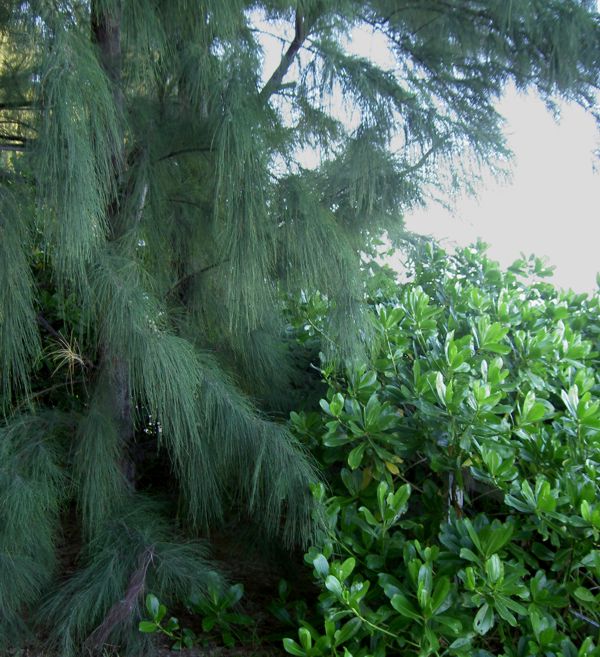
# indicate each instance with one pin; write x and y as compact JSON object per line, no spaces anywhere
{"x":274,"y":82}
{"x":106,"y":34}
{"x":123,"y":609}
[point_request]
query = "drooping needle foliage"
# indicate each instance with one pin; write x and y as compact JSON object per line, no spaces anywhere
{"x":155,"y":205}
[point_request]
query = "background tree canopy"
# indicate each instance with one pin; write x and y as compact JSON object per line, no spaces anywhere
{"x":152,"y":214}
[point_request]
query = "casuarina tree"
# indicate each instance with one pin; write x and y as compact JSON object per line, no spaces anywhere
{"x":154,"y":211}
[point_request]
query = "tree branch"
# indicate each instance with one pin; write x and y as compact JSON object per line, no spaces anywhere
{"x":45,"y":324}
{"x":274,"y":82}
{"x":12,"y":147}
{"x":16,"y":138}
{"x":191,"y":275}
{"x":200,"y":149}
{"x":121,"y":611}
{"x":13,"y":121}
{"x":423,"y":159}
{"x":185,"y":202}
{"x":22,"y":105}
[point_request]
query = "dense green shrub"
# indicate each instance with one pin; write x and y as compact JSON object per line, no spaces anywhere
{"x":464,"y":510}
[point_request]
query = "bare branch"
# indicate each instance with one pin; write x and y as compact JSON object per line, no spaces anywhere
{"x":13,"y":121}
{"x":15,"y":138}
{"x":199,"y":149}
{"x":122,"y":610}
{"x":196,"y":272}
{"x":423,"y":159}
{"x":140,"y":210}
{"x":274,"y":82}
{"x":45,"y":324}
{"x":12,"y":147}
{"x":19,"y":105}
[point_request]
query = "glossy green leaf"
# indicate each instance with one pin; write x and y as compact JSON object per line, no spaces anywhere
{"x":347,"y":567}
{"x":152,"y":605}
{"x":347,"y":631}
{"x":293,"y":648}
{"x":321,"y":565}
{"x":441,"y":593}
{"x":484,"y":620}
{"x":333,"y":584}
{"x":403,"y":606}
{"x":584,"y":594}
{"x":356,"y":455}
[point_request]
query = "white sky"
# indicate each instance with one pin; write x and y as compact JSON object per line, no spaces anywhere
{"x":551,"y":207}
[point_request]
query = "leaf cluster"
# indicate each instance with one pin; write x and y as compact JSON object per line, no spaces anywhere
{"x":217,"y":607}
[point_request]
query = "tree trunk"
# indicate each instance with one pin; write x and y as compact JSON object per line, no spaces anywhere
{"x":106,"y":34}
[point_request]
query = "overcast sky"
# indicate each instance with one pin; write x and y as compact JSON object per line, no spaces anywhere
{"x":551,"y":207}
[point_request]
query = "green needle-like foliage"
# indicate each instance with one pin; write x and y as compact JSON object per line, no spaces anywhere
{"x":156,"y":207}
{"x":31,"y":491}
{"x":101,"y":485}
{"x":77,"y":144}
{"x":19,"y":339}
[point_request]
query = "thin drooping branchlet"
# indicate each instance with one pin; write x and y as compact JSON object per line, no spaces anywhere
{"x":244,"y":229}
{"x":76,"y":153}
{"x":275,"y":482}
{"x":210,"y":430}
{"x":32,"y":489}
{"x":19,"y":337}
{"x":98,"y":464}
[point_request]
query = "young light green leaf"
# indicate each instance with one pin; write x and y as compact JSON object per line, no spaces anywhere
{"x":347,"y":567}
{"x":305,"y":638}
{"x":152,"y":605}
{"x":293,"y":648}
{"x":333,"y":584}
{"x":321,"y":565}
{"x":147,"y":626}
{"x":494,"y":569}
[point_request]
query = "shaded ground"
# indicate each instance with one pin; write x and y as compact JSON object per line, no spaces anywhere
{"x":259,"y":567}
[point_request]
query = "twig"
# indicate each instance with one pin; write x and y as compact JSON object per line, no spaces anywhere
{"x":140,"y":210}
{"x":17,"y":138}
{"x":585,"y":619}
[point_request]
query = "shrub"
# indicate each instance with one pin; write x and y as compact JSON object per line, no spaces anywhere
{"x":464,"y":510}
